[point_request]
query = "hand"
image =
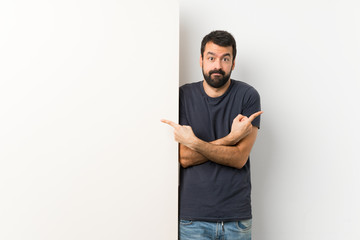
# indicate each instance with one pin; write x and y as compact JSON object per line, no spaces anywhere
{"x":182,"y":134}
{"x":241,"y":126}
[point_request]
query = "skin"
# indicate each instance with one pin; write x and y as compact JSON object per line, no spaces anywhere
{"x":215,"y":58}
{"x":232,"y":150}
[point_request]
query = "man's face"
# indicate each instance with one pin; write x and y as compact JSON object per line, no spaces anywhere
{"x":217,"y":64}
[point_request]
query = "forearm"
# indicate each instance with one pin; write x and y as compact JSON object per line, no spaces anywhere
{"x":232,"y":156}
{"x":189,"y":157}
{"x":225,"y":155}
{"x":222,"y":151}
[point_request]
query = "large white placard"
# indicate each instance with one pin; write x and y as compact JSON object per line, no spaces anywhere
{"x":83,"y":86}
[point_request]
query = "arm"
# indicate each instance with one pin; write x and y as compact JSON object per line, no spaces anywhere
{"x":189,"y":157}
{"x":232,"y":156}
{"x":194,"y":151}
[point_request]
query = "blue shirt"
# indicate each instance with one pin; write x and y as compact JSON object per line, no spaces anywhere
{"x":210,"y":191}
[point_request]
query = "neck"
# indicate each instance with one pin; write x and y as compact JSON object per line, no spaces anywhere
{"x":215,"y":92}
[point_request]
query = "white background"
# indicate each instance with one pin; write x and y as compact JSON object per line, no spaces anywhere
{"x":83,"y":86}
{"x":303,"y":57}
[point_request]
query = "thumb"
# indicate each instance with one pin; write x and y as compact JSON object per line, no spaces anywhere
{"x":238,"y":117}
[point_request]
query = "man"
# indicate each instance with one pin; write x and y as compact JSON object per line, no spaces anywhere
{"x":219,"y":120}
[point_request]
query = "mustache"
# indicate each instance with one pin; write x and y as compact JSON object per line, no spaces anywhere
{"x":217,"y":71}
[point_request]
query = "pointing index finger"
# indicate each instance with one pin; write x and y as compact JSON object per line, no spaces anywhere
{"x":171,"y":123}
{"x":255,"y":115}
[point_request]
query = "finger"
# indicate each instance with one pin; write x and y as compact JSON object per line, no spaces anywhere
{"x":238,"y":117}
{"x":255,"y":115}
{"x":171,"y":123}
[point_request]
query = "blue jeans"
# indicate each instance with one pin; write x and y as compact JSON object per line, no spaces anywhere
{"x":198,"y":230}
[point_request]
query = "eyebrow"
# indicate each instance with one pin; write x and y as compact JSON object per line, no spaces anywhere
{"x":224,"y":55}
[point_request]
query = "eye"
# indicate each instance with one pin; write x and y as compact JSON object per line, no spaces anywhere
{"x":226,"y":59}
{"x":211,"y":58}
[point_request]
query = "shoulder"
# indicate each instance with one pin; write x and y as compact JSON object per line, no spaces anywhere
{"x":245,"y":89}
{"x":190,"y":88}
{"x":248,"y":94}
{"x":239,"y":85}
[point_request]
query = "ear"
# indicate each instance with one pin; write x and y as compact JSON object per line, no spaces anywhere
{"x":201,"y":61}
{"x":233,"y":65}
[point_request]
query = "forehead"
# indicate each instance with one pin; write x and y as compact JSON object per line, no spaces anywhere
{"x":211,"y":47}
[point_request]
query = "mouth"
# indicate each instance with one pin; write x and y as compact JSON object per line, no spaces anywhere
{"x":217,"y":73}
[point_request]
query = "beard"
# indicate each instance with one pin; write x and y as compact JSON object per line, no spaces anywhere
{"x":216,"y":81}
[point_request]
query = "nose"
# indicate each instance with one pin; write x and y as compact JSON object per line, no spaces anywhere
{"x":217,"y":64}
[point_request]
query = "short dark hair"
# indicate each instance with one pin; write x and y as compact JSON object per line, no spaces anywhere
{"x":221,"y":38}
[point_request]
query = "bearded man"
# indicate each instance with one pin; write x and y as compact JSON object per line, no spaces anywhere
{"x":218,"y":125}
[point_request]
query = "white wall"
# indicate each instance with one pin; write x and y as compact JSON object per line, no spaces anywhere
{"x":83,"y":86}
{"x":303,"y":57}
